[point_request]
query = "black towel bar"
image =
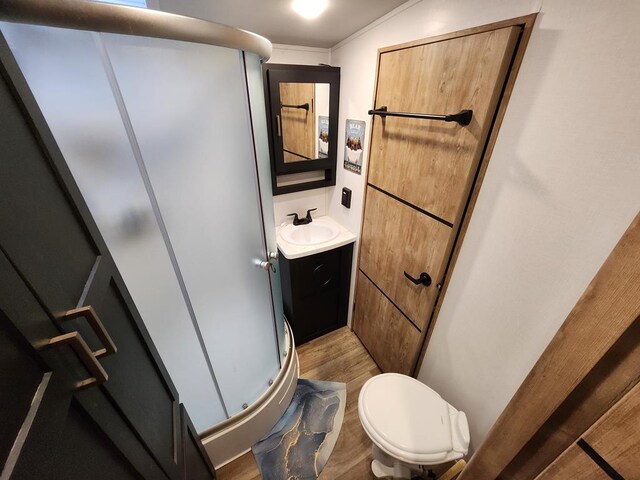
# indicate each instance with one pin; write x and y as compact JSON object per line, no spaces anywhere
{"x":463,"y":117}
{"x":304,"y":106}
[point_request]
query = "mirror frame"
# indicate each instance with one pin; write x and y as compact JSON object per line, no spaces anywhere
{"x":273,"y":75}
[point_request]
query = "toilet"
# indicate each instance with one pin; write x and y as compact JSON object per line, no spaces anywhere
{"x":410,"y":425}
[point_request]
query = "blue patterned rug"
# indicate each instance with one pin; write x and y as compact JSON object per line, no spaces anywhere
{"x":299,"y":445}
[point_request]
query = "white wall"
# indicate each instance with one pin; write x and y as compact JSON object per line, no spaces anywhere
{"x":561,"y":187}
{"x":299,"y":55}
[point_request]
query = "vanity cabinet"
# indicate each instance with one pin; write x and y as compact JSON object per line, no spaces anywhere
{"x":315,"y":290}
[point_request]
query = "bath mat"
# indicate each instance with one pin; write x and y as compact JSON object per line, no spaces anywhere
{"x":299,"y":445}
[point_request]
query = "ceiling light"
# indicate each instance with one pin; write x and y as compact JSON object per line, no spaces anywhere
{"x":310,"y":8}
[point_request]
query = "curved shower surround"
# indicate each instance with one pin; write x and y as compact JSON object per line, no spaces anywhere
{"x":158,"y":135}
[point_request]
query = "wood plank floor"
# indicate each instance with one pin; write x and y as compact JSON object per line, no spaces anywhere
{"x":340,"y":357}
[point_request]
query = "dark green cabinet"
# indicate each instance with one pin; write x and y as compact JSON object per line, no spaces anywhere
{"x":125,"y":421}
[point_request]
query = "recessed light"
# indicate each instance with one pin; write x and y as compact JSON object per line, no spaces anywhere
{"x":310,"y":8}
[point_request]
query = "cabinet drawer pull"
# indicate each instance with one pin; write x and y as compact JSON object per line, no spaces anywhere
{"x":424,"y":279}
{"x":94,"y":321}
{"x":86,"y":356}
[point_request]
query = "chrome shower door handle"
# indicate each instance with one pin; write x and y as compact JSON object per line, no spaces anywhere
{"x":267,"y":264}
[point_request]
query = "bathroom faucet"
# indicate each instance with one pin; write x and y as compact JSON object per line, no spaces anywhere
{"x":302,"y":221}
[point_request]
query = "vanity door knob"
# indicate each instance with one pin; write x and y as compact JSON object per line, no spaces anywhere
{"x":273,"y":255}
{"x":424,"y":279}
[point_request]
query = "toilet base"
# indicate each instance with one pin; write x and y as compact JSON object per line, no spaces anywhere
{"x":385,"y":466}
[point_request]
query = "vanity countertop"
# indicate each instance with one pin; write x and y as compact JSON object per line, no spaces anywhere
{"x":293,"y":251}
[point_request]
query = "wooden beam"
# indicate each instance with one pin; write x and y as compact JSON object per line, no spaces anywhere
{"x":605,"y":311}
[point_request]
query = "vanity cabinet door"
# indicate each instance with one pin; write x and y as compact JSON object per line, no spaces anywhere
{"x":316,"y":292}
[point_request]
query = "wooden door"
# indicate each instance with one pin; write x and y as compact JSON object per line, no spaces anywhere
{"x":59,"y":280}
{"x":609,"y":449}
{"x":420,"y":178}
{"x":298,"y":123}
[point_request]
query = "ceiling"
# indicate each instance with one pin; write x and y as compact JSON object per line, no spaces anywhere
{"x":276,"y":20}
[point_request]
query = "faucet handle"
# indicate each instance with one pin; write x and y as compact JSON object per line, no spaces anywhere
{"x":309,"y":213}
{"x":296,"y":220}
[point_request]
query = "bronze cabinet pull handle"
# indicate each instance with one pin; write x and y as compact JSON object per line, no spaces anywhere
{"x":94,"y":321}
{"x":86,"y":356}
{"x":279,"y":126}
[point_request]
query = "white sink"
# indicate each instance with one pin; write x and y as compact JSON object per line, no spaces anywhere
{"x":318,"y":231}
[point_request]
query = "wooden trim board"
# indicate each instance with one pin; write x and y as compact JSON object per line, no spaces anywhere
{"x":606,"y":310}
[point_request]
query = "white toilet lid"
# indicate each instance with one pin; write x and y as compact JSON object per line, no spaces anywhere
{"x":405,"y":417}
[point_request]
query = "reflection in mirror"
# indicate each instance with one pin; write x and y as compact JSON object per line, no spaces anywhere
{"x":304,"y":121}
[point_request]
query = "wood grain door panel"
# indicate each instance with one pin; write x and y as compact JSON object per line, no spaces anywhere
{"x":616,"y":436}
{"x":298,"y":125}
{"x":431,"y":164}
{"x":573,"y":464}
{"x":386,"y":333}
{"x":397,"y":238}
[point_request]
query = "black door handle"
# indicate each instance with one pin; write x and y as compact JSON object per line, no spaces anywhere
{"x":424,"y":279}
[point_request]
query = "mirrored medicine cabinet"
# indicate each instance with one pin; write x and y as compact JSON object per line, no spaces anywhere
{"x":302,"y":117}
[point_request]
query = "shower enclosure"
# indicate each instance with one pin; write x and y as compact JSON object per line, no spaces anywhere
{"x":159,"y":137}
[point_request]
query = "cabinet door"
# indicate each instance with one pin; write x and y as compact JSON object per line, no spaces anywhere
{"x":197,"y":465}
{"x":49,"y":237}
{"x":573,"y":464}
{"x":45,"y":432}
{"x":616,"y":436}
{"x":609,"y":449}
{"x":420,"y":176}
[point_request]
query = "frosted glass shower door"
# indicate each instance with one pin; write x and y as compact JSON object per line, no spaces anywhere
{"x":261,"y":141}
{"x":188,"y":107}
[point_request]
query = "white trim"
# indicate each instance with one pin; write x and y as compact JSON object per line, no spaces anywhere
{"x":375,"y":23}
{"x":300,"y":48}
